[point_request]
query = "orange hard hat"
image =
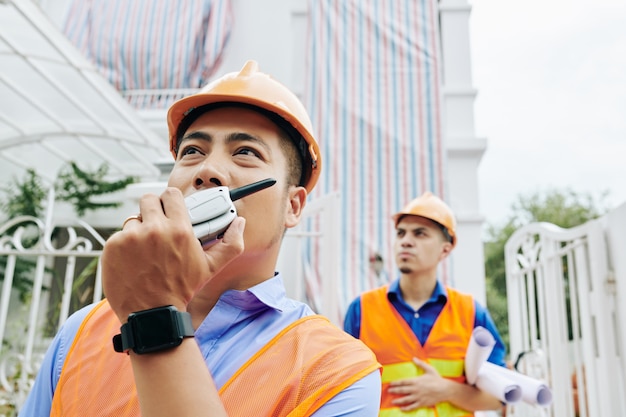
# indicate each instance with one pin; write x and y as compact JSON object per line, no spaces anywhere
{"x":255,"y":89}
{"x":433,"y":208}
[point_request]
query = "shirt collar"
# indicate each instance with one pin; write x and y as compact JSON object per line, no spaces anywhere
{"x":270,"y":292}
{"x":439,"y":293}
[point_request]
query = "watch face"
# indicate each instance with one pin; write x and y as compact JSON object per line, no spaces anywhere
{"x":155,"y":331}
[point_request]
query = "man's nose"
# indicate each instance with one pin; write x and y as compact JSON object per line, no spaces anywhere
{"x":210,"y":173}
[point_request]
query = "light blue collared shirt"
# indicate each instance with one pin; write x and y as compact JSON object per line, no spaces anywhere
{"x":236,"y":328}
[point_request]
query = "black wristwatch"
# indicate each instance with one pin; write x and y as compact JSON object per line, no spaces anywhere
{"x":153,"y":330}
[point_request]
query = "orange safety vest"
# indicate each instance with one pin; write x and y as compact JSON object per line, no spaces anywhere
{"x":390,"y":337}
{"x":294,"y":374}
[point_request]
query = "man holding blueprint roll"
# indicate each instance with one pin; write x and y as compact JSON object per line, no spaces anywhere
{"x":420,"y":329}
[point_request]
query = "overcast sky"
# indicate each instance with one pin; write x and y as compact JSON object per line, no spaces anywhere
{"x":551,"y":81}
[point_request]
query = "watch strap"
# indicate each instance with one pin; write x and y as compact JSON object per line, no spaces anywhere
{"x":124,"y":341}
{"x":184,"y":323}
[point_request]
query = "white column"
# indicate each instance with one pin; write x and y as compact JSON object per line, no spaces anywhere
{"x":464,"y":150}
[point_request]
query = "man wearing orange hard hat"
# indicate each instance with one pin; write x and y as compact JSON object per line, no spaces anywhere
{"x":420,"y":329}
{"x":197,"y":322}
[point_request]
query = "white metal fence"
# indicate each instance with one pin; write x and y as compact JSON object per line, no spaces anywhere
{"x":565,"y":323}
{"x":46,"y":271}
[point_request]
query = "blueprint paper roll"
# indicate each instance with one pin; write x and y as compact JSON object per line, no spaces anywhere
{"x":498,"y":385}
{"x":534,"y":391}
{"x":478,"y":350}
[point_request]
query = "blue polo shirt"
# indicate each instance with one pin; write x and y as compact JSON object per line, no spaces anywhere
{"x":422,"y":320}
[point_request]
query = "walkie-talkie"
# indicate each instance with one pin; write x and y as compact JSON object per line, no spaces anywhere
{"x":212,"y":210}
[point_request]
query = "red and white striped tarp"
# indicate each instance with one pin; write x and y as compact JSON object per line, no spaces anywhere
{"x":151,"y":44}
{"x":374,"y":94}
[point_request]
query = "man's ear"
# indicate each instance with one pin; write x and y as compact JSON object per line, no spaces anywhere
{"x":296,"y":202}
{"x":445,"y":250}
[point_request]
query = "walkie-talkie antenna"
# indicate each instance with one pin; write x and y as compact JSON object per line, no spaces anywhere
{"x":240,"y":192}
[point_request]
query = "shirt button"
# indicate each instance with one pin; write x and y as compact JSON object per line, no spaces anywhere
{"x":416,"y":315}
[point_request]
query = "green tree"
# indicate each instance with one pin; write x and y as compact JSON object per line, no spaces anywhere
{"x":79,"y":187}
{"x":23,"y":198}
{"x":564,"y":208}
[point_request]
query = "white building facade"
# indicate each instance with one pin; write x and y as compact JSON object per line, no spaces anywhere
{"x":81,"y":117}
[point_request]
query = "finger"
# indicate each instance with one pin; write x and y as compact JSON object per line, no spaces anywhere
{"x":229,"y":247}
{"x":234,"y":232}
{"x":406,"y":401}
{"x":131,"y":221}
{"x":174,"y":204}
{"x":419,"y":362}
{"x":398,"y":390}
{"x":410,"y":407}
{"x":150,"y":208}
{"x":423,"y":364}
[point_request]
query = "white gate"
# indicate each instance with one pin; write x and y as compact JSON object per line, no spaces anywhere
{"x":54,"y":259}
{"x":564,"y":320}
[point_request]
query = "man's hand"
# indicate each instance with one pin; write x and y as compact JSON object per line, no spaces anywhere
{"x":425,"y":390}
{"x":156,"y":260}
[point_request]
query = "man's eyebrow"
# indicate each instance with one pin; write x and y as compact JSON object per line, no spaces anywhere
{"x":231,"y":138}
{"x":247,"y":137}
{"x":412,"y":229}
{"x":197,"y":135}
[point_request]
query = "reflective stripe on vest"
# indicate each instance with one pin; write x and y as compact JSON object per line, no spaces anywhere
{"x":390,"y":337}
{"x":97,"y":381}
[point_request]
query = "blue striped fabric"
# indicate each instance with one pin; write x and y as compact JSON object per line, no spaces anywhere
{"x":374,"y":94}
{"x":151,"y":44}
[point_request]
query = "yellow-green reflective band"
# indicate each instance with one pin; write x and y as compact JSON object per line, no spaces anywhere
{"x":448,"y":368}
{"x":396,"y":412}
{"x":396,"y":371}
{"x":443,"y":410}
{"x":400,"y":370}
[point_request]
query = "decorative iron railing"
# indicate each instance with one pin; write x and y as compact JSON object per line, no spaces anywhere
{"x":155,"y":99}
{"x":48,"y":271}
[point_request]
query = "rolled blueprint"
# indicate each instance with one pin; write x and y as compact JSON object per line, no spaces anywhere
{"x":498,"y":385}
{"x":478,"y":350}
{"x":534,"y":391}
